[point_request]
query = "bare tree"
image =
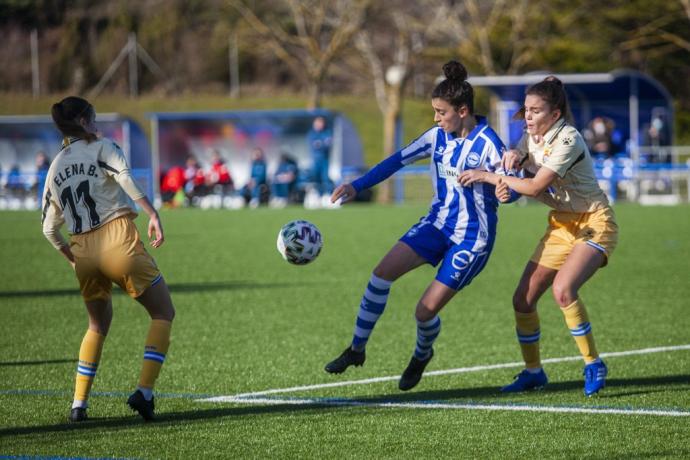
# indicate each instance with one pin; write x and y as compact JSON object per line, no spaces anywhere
{"x":313,"y":35}
{"x":657,"y":38}
{"x":494,"y":36}
{"x":392,"y":43}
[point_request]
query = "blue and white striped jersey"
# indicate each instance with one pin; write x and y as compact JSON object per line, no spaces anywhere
{"x":461,"y":213}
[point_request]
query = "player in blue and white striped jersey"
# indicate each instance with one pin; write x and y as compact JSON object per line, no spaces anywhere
{"x":458,"y":231}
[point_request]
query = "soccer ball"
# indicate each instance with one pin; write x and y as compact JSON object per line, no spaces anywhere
{"x":299,"y":242}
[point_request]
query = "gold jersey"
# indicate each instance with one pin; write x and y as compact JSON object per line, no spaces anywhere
{"x":563,"y":151}
{"x":88,"y":185}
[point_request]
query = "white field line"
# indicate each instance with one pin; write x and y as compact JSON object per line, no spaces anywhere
{"x":460,"y":370}
{"x":484,"y":407}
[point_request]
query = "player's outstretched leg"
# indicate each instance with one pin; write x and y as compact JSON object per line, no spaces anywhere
{"x":370,"y":310}
{"x":528,"y":379}
{"x":157,"y":302}
{"x":89,"y":357}
{"x":427,"y":332}
{"x":533,"y":376}
{"x":347,"y":358}
{"x":595,"y":370}
{"x":156,"y":347}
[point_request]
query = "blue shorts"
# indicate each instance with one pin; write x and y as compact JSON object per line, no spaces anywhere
{"x":461,"y":263}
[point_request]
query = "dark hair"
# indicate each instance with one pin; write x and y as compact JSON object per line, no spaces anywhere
{"x":455,"y":89}
{"x":552,"y":91}
{"x":67,"y":114}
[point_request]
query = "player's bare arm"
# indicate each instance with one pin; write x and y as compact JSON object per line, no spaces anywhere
{"x":155,"y":228}
{"x":529,"y":186}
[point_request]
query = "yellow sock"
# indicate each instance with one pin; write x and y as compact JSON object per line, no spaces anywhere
{"x":89,"y":356}
{"x":527,"y":328}
{"x":156,"y":347}
{"x":578,"y":322}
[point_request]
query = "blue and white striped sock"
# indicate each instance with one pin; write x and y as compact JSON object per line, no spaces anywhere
{"x":427,"y":331}
{"x":370,"y":309}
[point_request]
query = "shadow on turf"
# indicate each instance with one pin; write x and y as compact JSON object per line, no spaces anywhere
{"x":174,"y":287}
{"x":418,"y":396}
{"x":37,"y":363}
{"x":614,"y":388}
{"x":163,"y":418}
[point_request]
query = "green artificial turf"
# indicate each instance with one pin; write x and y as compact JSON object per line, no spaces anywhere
{"x":247,"y":322}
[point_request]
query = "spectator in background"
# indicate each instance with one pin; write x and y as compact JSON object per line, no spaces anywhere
{"x":598,"y":136}
{"x":284,"y":181}
{"x":257,"y":185}
{"x":657,"y":138}
{"x":172,"y":186}
{"x":219,"y":180}
{"x":195,"y":181}
{"x":320,"y":140}
{"x":42,"y":166}
{"x":15,"y":185}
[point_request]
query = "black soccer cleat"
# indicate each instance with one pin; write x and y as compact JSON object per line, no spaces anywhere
{"x":78,"y":414}
{"x":138,"y":403}
{"x":413,"y":374}
{"x":347,"y":358}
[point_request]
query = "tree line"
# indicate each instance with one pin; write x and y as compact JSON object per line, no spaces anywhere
{"x":386,"y":48}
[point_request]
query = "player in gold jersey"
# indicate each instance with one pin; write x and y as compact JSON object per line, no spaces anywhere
{"x":581,"y":235}
{"x":90,"y":189}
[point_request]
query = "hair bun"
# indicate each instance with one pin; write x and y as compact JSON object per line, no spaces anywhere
{"x":455,"y":71}
{"x":554,"y":79}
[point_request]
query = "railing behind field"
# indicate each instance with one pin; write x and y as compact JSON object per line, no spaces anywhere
{"x":660,"y":176}
{"x":25,"y":190}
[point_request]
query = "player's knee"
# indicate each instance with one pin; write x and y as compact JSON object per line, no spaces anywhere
{"x":381,"y":272}
{"x":520,"y":301}
{"x":563,"y":293}
{"x":424,"y":312}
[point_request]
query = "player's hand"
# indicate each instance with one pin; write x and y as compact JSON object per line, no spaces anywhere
{"x":155,"y":231}
{"x":502,"y":191}
{"x":344,"y":192}
{"x":471,"y":176}
{"x":511,"y":160}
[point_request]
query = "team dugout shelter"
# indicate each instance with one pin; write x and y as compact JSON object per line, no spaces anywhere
{"x":234,"y":134}
{"x":23,"y":137}
{"x":633,"y":101}
{"x":629,"y":98}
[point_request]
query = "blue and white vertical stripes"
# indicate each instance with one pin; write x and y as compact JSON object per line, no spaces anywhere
{"x":154,"y":356}
{"x":427,"y":332}
{"x":582,"y":329}
{"x":461,"y":213}
{"x":370,"y":310}
{"x":528,"y":338}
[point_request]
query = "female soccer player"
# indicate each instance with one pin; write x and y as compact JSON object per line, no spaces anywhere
{"x":581,"y":235}
{"x":458,"y":231}
{"x":89,"y":188}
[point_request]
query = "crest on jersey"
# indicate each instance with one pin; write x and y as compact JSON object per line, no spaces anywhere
{"x":472,"y":160}
{"x":567,"y":140}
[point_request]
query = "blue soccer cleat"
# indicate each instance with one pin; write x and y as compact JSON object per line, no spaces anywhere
{"x":526,"y":380}
{"x":595,"y":377}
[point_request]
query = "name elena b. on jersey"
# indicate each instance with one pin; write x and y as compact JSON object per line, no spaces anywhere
{"x":76,"y":169}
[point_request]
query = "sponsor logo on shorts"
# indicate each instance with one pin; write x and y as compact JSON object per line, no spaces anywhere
{"x":462,"y":259}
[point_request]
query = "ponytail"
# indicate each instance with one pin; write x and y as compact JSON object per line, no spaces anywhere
{"x":67,"y":115}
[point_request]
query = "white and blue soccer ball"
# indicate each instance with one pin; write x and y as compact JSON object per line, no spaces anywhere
{"x":299,"y":242}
